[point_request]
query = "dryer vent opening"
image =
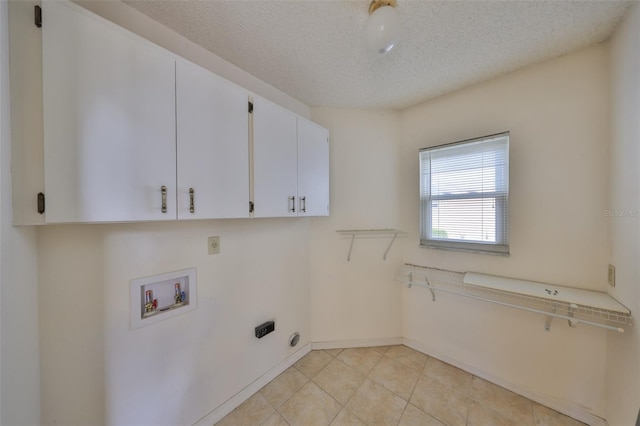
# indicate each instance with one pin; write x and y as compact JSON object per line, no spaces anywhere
{"x":294,"y":339}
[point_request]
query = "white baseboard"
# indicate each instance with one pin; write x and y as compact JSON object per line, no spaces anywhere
{"x":357,"y":343}
{"x":246,"y":393}
{"x":564,"y":407}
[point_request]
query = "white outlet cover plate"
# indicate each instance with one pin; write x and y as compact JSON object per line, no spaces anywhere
{"x":214,"y":245}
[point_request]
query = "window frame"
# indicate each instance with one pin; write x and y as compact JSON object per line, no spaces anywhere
{"x":501,"y":204}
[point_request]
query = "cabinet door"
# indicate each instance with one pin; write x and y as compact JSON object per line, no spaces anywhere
{"x":313,"y":169}
{"x":274,"y":160}
{"x":109,"y":121}
{"x":213,"y":145}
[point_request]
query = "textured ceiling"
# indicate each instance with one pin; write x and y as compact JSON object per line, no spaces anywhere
{"x":315,"y":51}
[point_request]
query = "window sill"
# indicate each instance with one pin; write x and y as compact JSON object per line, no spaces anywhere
{"x":464,"y":247}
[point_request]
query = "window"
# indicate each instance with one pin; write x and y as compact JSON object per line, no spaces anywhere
{"x":464,"y":195}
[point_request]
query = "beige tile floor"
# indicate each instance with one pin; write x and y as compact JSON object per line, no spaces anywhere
{"x":386,"y":385}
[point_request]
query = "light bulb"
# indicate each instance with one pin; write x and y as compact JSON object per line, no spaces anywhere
{"x":382,"y":30}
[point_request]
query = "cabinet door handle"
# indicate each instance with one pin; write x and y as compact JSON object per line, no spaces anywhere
{"x":192,"y":197}
{"x":303,"y":204}
{"x":163,"y":191}
{"x":292,"y":200}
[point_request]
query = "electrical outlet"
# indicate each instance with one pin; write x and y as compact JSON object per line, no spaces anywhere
{"x":264,"y":329}
{"x":214,"y":245}
{"x":611,"y":276}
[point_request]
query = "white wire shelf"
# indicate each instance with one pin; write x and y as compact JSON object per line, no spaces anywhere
{"x":354,"y":234}
{"x":576,"y":311}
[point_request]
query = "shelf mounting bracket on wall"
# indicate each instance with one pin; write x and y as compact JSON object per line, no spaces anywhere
{"x":433,"y":293}
{"x":547,"y":323}
{"x":353,"y":237}
{"x":372,"y":233}
{"x":384,"y":256}
{"x":571,"y":311}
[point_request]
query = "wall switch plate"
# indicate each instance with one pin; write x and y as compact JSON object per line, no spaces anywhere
{"x":611,"y":276}
{"x":214,"y":245}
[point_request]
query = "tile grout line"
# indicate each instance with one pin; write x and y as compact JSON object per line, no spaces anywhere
{"x":342,"y":406}
{"x":291,"y":396}
{"x":310,"y":379}
{"x":328,"y":394}
{"x":407,"y":401}
{"x":410,"y":393}
{"x":365,"y":377}
{"x":420,"y":373}
{"x":413,"y":390}
{"x":333,"y":358}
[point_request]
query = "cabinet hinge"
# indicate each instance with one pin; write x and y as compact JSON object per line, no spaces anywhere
{"x":40,"y":202}
{"x":250,"y":206}
{"x":37,"y":16}
{"x":250,"y":107}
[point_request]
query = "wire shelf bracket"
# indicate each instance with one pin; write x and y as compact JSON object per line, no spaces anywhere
{"x":577,"y":306}
{"x":354,"y":234}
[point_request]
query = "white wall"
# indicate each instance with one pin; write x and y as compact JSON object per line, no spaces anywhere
{"x":356,"y":302}
{"x":94,"y":368}
{"x":557,"y":113}
{"x":623,"y":351}
{"x":19,"y":360}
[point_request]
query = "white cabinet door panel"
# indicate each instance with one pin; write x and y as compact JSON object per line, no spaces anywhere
{"x":109,"y":121}
{"x":274,"y":160}
{"x":213,"y":145}
{"x":313,"y":169}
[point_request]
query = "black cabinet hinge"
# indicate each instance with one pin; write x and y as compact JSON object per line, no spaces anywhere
{"x":40,"y":202}
{"x":250,"y":107}
{"x":37,"y":16}
{"x":250,"y":206}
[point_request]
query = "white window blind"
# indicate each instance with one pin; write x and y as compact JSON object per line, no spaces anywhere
{"x":464,"y":194}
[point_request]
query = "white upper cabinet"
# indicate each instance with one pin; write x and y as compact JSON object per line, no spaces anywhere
{"x":290,"y":163}
{"x":131,"y":132}
{"x":109,"y":121}
{"x":275,"y":189}
{"x":212,"y":145}
{"x":313,"y":169}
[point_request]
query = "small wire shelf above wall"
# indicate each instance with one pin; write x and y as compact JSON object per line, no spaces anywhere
{"x":371,"y":233}
{"x":574,"y":305}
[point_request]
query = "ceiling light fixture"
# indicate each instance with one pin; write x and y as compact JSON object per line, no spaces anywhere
{"x":382,"y":29}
